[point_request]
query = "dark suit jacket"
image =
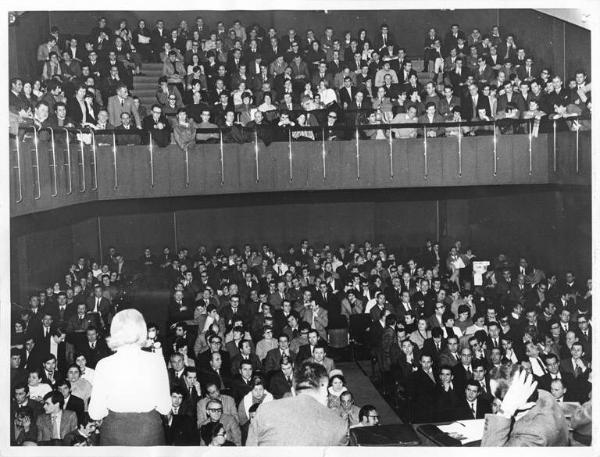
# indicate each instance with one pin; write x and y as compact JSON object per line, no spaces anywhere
{"x":237,"y":361}
{"x":279,"y":385}
{"x":446,"y":404}
{"x":76,"y":405}
{"x":94,"y":355}
{"x":239,"y":388}
{"x":345,"y":97}
{"x":103,"y":307}
{"x":421,"y":389}
{"x":464,"y":412}
{"x":461,"y":376}
{"x":182,"y":431}
{"x":271,"y":362}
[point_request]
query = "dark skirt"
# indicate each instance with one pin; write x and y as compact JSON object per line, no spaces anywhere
{"x":132,"y":429}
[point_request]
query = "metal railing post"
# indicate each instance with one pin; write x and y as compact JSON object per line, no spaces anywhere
{"x":391,"y":153}
{"x":18,"y":168}
{"x":425,"y":168}
{"x":554,"y":146}
{"x":530,"y":149}
{"x":68,"y":164}
{"x":37,"y":164}
{"x":495,"y":141}
{"x":459,"y":151}
{"x":94,"y":161}
{"x":151,"y":149}
{"x":256,"y":153}
{"x":291,"y":159}
{"x":187,"y":167}
{"x":357,"y":156}
{"x":324,"y":155}
{"x":578,"y":126}
{"x":53,"y":165}
{"x":115,"y":169}
{"x":82,"y":163}
{"x":221,"y":157}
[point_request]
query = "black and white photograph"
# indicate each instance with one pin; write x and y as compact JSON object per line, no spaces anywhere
{"x":284,"y":225}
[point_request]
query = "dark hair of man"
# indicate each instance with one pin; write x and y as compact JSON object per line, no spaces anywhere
{"x":63,"y":382}
{"x":55,"y":397}
{"x":446,"y":367}
{"x":48,"y":357}
{"x":550,"y":356}
{"x":242,"y":341}
{"x":178,"y":390}
{"x":473,"y":383}
{"x":309,"y":376}
{"x":365,"y":411}
{"x":437,"y":332}
{"x":478,"y":363}
{"x":21,"y":385}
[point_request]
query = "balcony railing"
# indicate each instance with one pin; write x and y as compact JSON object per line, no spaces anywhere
{"x":63,"y":166}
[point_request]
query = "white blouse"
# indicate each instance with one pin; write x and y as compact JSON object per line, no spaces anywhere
{"x":131,"y":380}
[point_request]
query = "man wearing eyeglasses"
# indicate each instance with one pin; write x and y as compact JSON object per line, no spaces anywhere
{"x":214,"y":413}
{"x":157,"y":125}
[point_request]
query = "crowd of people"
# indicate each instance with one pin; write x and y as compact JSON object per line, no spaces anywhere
{"x":292,"y":86}
{"x":249,"y":327}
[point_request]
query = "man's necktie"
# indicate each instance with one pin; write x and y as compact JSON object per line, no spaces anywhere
{"x":473,"y":409}
{"x":122,"y":102}
{"x":55,"y":429}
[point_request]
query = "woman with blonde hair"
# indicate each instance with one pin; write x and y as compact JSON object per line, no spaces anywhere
{"x":131,"y":387}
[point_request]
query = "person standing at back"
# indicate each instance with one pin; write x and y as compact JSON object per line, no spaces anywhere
{"x":303,"y":420}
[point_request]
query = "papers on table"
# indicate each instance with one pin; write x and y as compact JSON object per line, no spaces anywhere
{"x":466,"y":431}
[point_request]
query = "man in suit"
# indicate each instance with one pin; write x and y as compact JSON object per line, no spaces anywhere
{"x":274,"y":356}
{"x":213,"y":392}
{"x":241,"y":382}
{"x":578,"y":368}
{"x":56,"y":422}
{"x":449,"y":355}
{"x":316,"y":317}
{"x":421,"y":389}
{"x":282,"y":381}
{"x":463,"y":371}
{"x":384,"y":38}
{"x":446,"y":398}
{"x":21,"y":400}
{"x":554,"y":372}
{"x":431,"y":116}
{"x":584,"y":334}
{"x":94,"y":348}
{"x":120,"y":103}
{"x":319,"y":356}
{"x":72,"y":402}
{"x":473,"y":405}
{"x":541,"y":421}
{"x":192,"y":392}
{"x":215,"y":344}
{"x":300,"y":420}
{"x":215,"y":412}
{"x":347,"y":92}
{"x":180,"y":429}
{"x":435,"y":345}
{"x":32,"y":354}
{"x":306,"y":350}
{"x":100,"y":305}
{"x":215,"y":373}
{"x":245,"y":354}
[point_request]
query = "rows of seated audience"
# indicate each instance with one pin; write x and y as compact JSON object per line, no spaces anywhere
{"x":328,"y":82}
{"x":240,"y":320}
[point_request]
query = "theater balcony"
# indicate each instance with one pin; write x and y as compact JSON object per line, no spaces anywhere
{"x":48,"y":172}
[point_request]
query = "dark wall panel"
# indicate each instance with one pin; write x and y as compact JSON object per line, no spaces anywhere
{"x":85,"y":238}
{"x":25,"y":35}
{"x":131,"y":233}
{"x":578,"y":49}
